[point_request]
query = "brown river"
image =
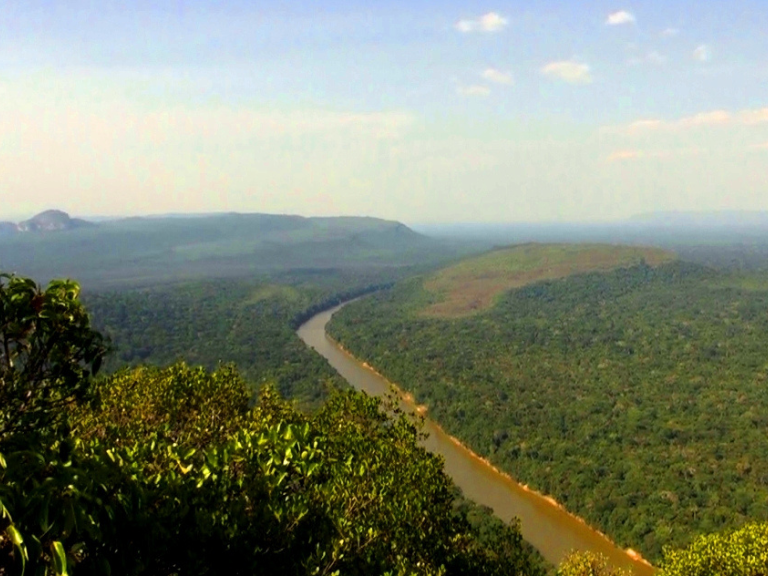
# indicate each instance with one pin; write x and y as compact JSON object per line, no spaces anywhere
{"x":547,"y":526}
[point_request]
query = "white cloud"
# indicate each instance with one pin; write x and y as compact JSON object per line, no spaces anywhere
{"x":72,"y":139}
{"x":628,"y":155}
{"x":712,"y":118}
{"x":497,"y":76}
{"x":620,"y":17}
{"x":669,"y":32}
{"x":473,"y":90}
{"x":465,"y":25}
{"x":641,"y":125}
{"x":490,"y":22}
{"x":702,"y":53}
{"x":569,"y":71}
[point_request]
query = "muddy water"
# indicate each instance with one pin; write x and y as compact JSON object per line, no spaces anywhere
{"x":552,"y":530}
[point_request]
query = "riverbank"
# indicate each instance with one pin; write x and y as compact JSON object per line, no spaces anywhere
{"x":410,"y":402}
{"x":545,"y":524}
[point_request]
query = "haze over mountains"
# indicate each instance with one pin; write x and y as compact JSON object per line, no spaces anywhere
{"x":723,"y":218}
{"x":149,"y":250}
{"x":683,"y":232}
{"x":146,"y":250}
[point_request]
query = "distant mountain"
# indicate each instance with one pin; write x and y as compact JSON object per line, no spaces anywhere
{"x":144,"y":251}
{"x":48,"y":221}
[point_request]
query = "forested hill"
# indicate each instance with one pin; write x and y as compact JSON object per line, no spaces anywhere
{"x":147,"y":251}
{"x":249,"y":322}
{"x":635,"y":396}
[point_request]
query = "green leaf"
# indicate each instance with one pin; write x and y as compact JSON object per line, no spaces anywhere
{"x":4,"y":512}
{"x":15,"y":536}
{"x":60,"y":558}
{"x":45,"y":525}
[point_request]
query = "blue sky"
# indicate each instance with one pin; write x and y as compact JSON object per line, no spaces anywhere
{"x":419,"y":111}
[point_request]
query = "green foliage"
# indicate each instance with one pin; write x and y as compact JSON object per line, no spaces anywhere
{"x":141,"y":491}
{"x":500,"y":545}
{"x":48,"y":352}
{"x":246,"y":322}
{"x":742,"y":552}
{"x":177,"y":405}
{"x":588,"y":564}
{"x":586,"y":387}
{"x":473,"y":284}
{"x":170,"y":471}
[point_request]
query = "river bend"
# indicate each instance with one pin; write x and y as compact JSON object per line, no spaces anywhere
{"x":552,"y":530}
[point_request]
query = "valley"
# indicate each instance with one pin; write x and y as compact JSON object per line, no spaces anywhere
{"x":592,"y":396}
{"x":544,"y":523}
{"x":633,"y":396}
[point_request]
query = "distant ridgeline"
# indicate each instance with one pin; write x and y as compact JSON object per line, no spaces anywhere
{"x":147,"y":251}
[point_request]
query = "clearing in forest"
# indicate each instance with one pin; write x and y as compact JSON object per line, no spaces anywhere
{"x":473,"y":284}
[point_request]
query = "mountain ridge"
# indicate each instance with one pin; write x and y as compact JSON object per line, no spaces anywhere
{"x":46,"y":221}
{"x":143,"y":250}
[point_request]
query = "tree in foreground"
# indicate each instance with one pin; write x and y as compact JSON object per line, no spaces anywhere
{"x":588,"y":564}
{"x":742,"y":552}
{"x":170,"y":471}
{"x":48,"y":353}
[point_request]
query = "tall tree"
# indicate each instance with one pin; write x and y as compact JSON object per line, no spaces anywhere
{"x":48,"y":352}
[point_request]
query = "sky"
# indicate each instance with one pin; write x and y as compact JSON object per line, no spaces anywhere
{"x":493,"y":111}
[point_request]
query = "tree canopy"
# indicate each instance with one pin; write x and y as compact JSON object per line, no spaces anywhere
{"x":587,"y":387}
{"x":172,"y":471}
{"x":175,"y":470}
{"x":48,"y":352}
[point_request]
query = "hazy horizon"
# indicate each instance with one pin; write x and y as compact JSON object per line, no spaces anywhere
{"x":458,"y":112}
{"x":701,"y":216}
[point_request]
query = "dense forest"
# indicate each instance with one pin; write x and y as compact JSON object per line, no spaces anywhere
{"x":117,"y":456}
{"x":248,"y":322}
{"x":636,"y":397}
{"x":173,"y":471}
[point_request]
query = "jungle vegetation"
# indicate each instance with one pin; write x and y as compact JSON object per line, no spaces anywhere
{"x":637,"y":397}
{"x":249,"y":322}
{"x":173,"y":471}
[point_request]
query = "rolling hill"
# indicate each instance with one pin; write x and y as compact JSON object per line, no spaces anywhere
{"x":473,"y":284}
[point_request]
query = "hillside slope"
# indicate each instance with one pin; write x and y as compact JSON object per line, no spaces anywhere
{"x":149,"y":250}
{"x":473,"y":284}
